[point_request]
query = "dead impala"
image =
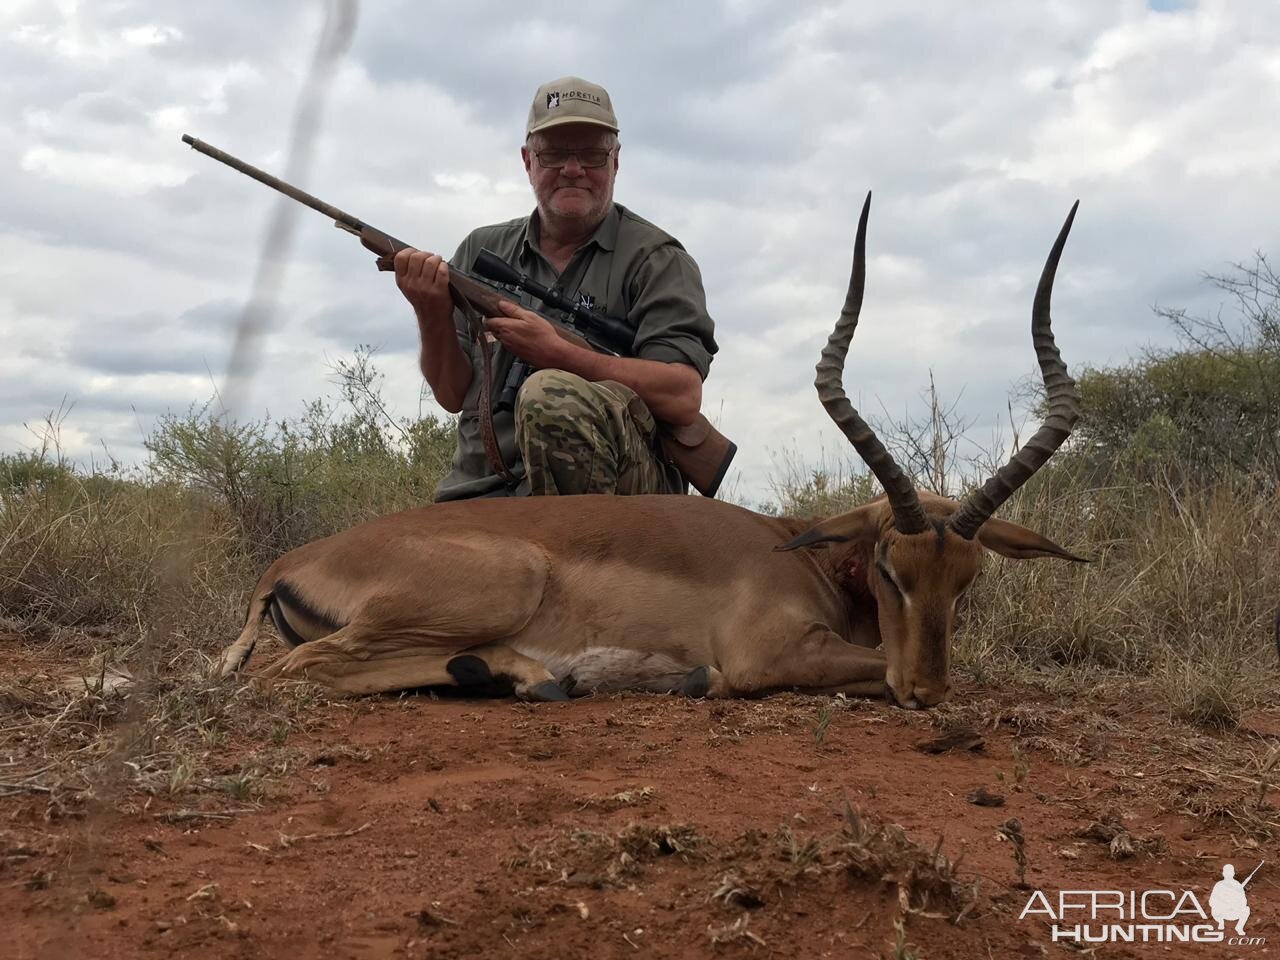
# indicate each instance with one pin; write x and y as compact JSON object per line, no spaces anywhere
{"x":663,"y":593}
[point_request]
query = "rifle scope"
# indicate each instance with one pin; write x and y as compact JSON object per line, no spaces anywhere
{"x":613,"y":332}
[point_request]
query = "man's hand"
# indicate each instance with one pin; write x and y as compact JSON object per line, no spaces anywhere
{"x":530,"y":337}
{"x":423,"y":278}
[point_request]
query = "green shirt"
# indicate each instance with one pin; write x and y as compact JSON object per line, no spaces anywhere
{"x":630,"y":270}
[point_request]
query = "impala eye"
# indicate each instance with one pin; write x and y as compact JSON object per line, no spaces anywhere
{"x":884,"y":572}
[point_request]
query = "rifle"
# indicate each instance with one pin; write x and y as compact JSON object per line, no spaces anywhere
{"x":601,"y":332}
{"x":698,"y":450}
{"x":1250,"y":876}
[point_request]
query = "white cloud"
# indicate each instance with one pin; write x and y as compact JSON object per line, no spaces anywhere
{"x":150,"y":35}
{"x":752,"y":134}
{"x":102,"y":171}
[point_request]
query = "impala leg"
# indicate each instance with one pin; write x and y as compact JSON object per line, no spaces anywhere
{"x":482,"y":665}
{"x":238,"y":653}
{"x":343,"y":663}
{"x":866,"y":633}
{"x":869,"y":689}
{"x":710,"y":682}
{"x":819,"y":662}
{"x":349,"y":661}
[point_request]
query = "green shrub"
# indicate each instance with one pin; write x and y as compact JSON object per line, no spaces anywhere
{"x":182,"y":539}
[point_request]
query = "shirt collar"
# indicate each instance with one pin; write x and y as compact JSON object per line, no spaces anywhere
{"x":605,"y":236}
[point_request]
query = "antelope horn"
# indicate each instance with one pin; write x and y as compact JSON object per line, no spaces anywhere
{"x":1064,"y":409}
{"x":908,"y":516}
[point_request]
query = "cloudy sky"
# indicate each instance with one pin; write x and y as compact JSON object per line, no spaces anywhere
{"x":751,"y":131}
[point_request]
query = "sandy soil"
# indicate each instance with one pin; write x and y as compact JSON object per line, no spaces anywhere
{"x":416,"y":827}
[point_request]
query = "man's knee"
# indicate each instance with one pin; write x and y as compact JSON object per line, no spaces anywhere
{"x":556,"y":402}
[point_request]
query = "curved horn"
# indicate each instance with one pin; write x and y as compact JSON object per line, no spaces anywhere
{"x":1064,"y":409}
{"x":908,"y":516}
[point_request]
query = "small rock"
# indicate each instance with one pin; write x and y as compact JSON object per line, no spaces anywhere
{"x":40,"y":880}
{"x":982,"y":798}
{"x":963,"y":739}
{"x":1121,"y":846}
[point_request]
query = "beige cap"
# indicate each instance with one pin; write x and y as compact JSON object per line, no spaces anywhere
{"x":570,"y":100}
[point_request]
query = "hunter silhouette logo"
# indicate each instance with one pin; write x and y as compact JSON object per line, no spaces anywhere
{"x":553,"y":100}
{"x":1228,"y":900}
{"x":1148,"y":916}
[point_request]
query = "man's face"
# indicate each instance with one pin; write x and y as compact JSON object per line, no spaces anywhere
{"x":572,"y":192}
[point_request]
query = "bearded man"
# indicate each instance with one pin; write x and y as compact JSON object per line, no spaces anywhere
{"x":584,"y":422}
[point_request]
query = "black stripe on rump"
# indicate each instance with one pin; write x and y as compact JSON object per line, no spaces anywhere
{"x":291,"y":636}
{"x":283,"y":593}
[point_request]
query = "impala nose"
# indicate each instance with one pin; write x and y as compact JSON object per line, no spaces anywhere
{"x":923,"y":696}
{"x":930,"y":694}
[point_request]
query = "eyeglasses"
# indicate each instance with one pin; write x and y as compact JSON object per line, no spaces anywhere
{"x":555,"y":159}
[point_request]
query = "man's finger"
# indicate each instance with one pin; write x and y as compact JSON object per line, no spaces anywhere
{"x":431,"y":269}
{"x":512,"y":309}
{"x":401,"y":261}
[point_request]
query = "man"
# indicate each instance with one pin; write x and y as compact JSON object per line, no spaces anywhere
{"x":585,"y":421}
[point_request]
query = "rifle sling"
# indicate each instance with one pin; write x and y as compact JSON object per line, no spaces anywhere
{"x":492,"y":452}
{"x":488,"y":435}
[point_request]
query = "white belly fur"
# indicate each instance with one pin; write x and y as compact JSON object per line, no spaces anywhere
{"x":612,"y":669}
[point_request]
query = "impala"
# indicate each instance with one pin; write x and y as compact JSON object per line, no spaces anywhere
{"x":566,"y":595}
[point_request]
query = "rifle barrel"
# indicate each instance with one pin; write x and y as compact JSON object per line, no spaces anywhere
{"x":1250,"y":876}
{"x":275,"y":183}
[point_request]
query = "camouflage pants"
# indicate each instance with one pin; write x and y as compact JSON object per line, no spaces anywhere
{"x":577,"y":436}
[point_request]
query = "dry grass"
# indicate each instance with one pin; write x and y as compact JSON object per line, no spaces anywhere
{"x":593,"y":859}
{"x":928,"y":882}
{"x":749,"y":872}
{"x":177,"y":734}
{"x":1181,"y":593}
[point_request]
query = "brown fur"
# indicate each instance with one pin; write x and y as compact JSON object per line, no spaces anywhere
{"x":692,"y":581}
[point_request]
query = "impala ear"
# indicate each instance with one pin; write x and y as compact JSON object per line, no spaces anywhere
{"x":862,"y":524}
{"x":1018,"y":543}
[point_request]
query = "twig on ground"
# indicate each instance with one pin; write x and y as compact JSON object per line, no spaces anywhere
{"x":287,"y":841}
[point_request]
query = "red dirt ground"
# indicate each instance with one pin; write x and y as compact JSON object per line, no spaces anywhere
{"x":447,"y":828}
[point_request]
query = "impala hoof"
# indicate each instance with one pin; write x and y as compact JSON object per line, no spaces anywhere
{"x":233,"y":661}
{"x":698,"y":683}
{"x":548,"y":691}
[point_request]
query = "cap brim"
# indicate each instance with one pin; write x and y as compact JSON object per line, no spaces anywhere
{"x":565,"y":121}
